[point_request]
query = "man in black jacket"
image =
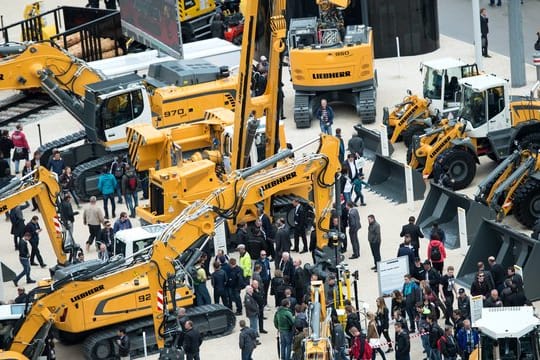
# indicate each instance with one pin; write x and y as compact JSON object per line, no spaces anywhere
{"x":34,"y":229}
{"x":414,"y":232}
{"x":299,"y":227}
{"x":123,"y":344}
{"x":247,"y":340}
{"x":24,"y":259}
{"x":484,"y":30}
{"x":283,"y":240}
{"x":192,"y":342}
{"x":219,"y":282}
{"x":402,"y":345}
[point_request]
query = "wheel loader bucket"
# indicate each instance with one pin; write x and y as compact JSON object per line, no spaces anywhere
{"x":441,"y":206}
{"x":509,"y":247}
{"x":372,"y":142}
{"x":387,"y":178}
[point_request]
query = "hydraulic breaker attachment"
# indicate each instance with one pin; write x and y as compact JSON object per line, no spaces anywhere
{"x":387,"y":178}
{"x":509,"y":247}
{"x":441,"y":206}
{"x":372,"y":142}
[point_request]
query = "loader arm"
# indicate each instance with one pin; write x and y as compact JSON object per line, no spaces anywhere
{"x":177,"y":247}
{"x":487,"y":185}
{"x":22,"y":72}
{"x":42,"y":185}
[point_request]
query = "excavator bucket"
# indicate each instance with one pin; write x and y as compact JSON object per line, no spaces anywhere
{"x":441,"y":206}
{"x":387,"y":178}
{"x":372,"y":142}
{"x":509,"y":247}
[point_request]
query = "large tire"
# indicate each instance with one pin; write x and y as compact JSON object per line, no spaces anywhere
{"x":409,"y":132}
{"x":461,"y":166}
{"x":531,"y":141}
{"x":527,"y":202}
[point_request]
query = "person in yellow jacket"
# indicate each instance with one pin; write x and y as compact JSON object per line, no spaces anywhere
{"x":245,"y":262}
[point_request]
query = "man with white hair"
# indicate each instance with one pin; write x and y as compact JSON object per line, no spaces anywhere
{"x":252,"y":309}
{"x":93,"y":217}
{"x":286,"y":265}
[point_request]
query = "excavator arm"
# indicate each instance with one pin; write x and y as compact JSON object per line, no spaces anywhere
{"x":22,"y":71}
{"x":176,"y":250}
{"x":42,"y":185}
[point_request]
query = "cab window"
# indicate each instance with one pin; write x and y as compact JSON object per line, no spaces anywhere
{"x":120,"y":109}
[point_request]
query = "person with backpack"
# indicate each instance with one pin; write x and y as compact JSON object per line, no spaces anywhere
{"x":448,"y":344}
{"x":360,"y":349}
{"x":436,"y":253}
{"x":435,"y":333}
{"x":130,"y":185}
{"x":117,"y":170}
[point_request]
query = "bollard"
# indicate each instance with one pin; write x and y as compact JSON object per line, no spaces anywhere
{"x":536,"y":62}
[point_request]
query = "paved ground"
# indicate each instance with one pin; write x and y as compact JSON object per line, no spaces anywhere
{"x":394,"y":78}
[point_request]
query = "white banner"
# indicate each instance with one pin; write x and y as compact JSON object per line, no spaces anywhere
{"x":390,"y":273}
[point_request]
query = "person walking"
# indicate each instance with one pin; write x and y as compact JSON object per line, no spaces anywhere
{"x":107,"y":187}
{"x":24,"y":259}
{"x":34,"y":229}
{"x":382,"y":316}
{"x":484,"y":30}
{"x":21,"y":147}
{"x":284,"y":323}
{"x":448,"y":344}
{"x":17,"y":224}
{"x":360,"y":348}
{"x":448,"y":292}
{"x":415,"y":233}
{"x":325,"y":114}
{"x":247,"y":340}
{"x":93,"y":217}
{"x":66,"y":212}
{"x":67,"y":183}
{"x":374,"y":239}
{"x":117,"y":170}
{"x":235,"y":282}
{"x":412,"y":294}
{"x":373,"y":336}
{"x":436,"y":253}
{"x":130,"y":186}
{"x":354,"y":226}
{"x":192,"y":341}
{"x":299,"y":227}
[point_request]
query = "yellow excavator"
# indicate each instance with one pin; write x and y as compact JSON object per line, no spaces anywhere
{"x":42,"y":185}
{"x":331,"y":59}
{"x":174,"y":92}
{"x":225,"y":137}
{"x":167,"y":267}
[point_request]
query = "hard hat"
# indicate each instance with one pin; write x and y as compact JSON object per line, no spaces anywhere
{"x":263,"y":58}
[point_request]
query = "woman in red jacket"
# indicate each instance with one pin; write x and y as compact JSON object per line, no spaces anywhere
{"x":436,"y":252}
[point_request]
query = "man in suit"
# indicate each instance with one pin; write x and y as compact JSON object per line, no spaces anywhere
{"x":354,"y":226}
{"x":414,"y":232}
{"x":484,"y":30}
{"x":299,"y":226}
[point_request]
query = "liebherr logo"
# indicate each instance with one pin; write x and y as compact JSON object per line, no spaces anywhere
{"x":332,"y":75}
{"x":278,"y":181}
{"x":87,"y":293}
{"x":439,"y":147}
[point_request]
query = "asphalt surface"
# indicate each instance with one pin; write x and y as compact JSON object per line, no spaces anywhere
{"x":455,"y":20}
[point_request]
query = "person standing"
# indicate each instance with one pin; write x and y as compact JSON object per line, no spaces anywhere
{"x":467,"y":339}
{"x":66,"y":212}
{"x":24,"y":259}
{"x":325,"y":114}
{"x":283,"y":239}
{"x":122,"y":223}
{"x":56,"y":163}
{"x":247,"y":340}
{"x":480,"y":286}
{"x":284,"y":323}
{"x":192,"y":341}
{"x":448,"y":344}
{"x":268,"y":230}
{"x":341,"y":155}
{"x":17,"y":224}
{"x":360,"y":348}
{"x":354,"y":226}
{"x":117,"y":170}
{"x":67,"y":182}
{"x":107,"y":186}
{"x":373,"y":335}
{"x":497,"y":273}
{"x":382,"y":316}
{"x":374,"y":239}
{"x":412,"y":294}
{"x":266,"y":274}
{"x":245,"y":263}
{"x":130,"y":185}
{"x":437,"y":230}
{"x":464,"y":304}
{"x":199,"y":282}
{"x":103,"y":253}
{"x":415,"y":232}
{"x":123,"y":344}
{"x":402,"y":343}
{"x":34,"y":229}
{"x":22,"y":149}
{"x":235,"y":282}
{"x":252,"y":309}
{"x":219,"y":281}
{"x":406,"y":249}
{"x":299,"y":227}
{"x":258,"y":295}
{"x":6,"y":145}
{"x":93,"y":217}
{"x":484,"y":30}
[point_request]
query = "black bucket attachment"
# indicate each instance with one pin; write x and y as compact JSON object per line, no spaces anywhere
{"x":387,"y":178}
{"x":509,"y":247}
{"x":441,"y":206}
{"x":372,"y":142}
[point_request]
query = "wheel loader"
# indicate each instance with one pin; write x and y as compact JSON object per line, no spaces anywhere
{"x":331,"y":59}
{"x":415,"y":113}
{"x":514,"y":186}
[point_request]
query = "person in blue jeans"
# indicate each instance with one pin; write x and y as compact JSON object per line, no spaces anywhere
{"x":107,"y":186}
{"x":325,"y":114}
{"x":284,"y":322}
{"x":24,"y":258}
{"x":130,"y":187}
